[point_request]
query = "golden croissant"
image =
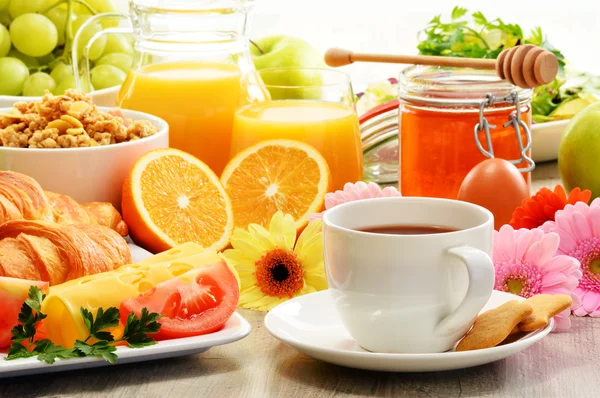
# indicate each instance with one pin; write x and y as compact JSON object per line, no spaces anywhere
{"x":22,"y":198}
{"x":47,"y":251}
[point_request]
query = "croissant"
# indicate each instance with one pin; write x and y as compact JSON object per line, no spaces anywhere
{"x":47,"y":251}
{"x":21,"y":197}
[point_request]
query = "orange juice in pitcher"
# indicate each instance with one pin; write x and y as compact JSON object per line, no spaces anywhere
{"x":197,"y":99}
{"x":188,"y":61}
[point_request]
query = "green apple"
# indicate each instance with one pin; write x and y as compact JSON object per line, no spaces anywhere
{"x":288,"y":52}
{"x":579,"y":151}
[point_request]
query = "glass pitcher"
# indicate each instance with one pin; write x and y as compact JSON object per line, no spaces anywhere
{"x":189,"y":56}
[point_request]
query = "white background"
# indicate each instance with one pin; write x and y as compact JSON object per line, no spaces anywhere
{"x":573,"y":26}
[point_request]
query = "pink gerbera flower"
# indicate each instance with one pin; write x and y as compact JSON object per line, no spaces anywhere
{"x":352,"y":192}
{"x":578,"y":226}
{"x":527,"y":264}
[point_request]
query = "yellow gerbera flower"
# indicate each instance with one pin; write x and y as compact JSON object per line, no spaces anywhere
{"x":273,"y":265}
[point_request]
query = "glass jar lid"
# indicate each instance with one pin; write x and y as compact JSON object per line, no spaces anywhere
{"x":455,"y":87}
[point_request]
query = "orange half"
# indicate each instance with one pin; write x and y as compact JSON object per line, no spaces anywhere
{"x":274,"y":175}
{"x":171,"y":197}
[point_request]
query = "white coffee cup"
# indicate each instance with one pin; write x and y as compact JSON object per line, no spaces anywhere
{"x":408,"y":293}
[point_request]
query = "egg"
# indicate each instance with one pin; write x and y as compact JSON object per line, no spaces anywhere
{"x":497,"y":185}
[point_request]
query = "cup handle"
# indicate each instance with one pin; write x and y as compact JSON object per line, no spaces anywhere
{"x":481,"y":283}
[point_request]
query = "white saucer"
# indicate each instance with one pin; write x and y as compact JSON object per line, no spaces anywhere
{"x":311,"y":325}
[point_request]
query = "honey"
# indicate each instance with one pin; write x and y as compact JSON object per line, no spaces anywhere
{"x":439,"y":111}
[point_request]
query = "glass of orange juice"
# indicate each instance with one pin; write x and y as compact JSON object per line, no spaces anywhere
{"x":315,"y":106}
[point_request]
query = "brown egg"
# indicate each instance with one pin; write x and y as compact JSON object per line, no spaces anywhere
{"x":497,"y":185}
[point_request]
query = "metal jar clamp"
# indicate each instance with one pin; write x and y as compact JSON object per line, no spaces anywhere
{"x":515,"y":120}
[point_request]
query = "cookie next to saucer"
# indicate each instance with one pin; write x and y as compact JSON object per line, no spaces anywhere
{"x":493,"y":326}
{"x":545,"y":306}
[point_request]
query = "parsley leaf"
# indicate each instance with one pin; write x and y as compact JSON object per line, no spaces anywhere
{"x":137,"y":330}
{"x":104,"y":320}
{"x":17,"y":350}
{"x":458,"y":12}
{"x":101,"y":349}
{"x":48,"y":352}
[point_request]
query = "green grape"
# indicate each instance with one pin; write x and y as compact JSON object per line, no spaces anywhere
{"x":31,"y":62}
{"x":116,"y":43}
{"x":33,"y":34}
{"x":46,"y":59}
{"x":61,"y":72}
{"x":121,"y":61}
{"x":4,"y":17}
{"x":68,"y":83}
{"x":3,"y":4}
{"x":20,"y":7}
{"x":102,"y":6}
{"x":98,"y":45}
{"x":4,"y":41}
{"x":58,"y":16}
{"x":105,"y":76}
{"x":63,"y":86}
{"x":14,"y":73}
{"x":37,"y":83}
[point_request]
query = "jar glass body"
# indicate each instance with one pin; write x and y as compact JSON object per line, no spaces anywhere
{"x":188,"y":62}
{"x":439,"y":110}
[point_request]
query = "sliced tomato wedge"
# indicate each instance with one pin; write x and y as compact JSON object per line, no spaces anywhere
{"x":13,"y":293}
{"x":197,"y":302}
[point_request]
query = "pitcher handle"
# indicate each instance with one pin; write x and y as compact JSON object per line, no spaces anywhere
{"x":481,"y":283}
{"x":85,"y":60}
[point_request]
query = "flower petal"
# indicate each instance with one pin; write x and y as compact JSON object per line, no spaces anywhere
{"x":591,"y":301}
{"x":594,"y":220}
{"x":317,"y":280}
{"x":562,"y":321}
{"x":283,"y":230}
{"x":558,"y":263}
{"x":553,"y":279}
{"x":236,"y":257}
{"x":242,"y":241}
{"x":262,"y":236}
{"x":581,"y":228}
{"x":567,"y":242}
{"x":523,"y":243}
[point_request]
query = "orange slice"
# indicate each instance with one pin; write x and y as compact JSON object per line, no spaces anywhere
{"x":170,"y":197}
{"x":274,"y":175}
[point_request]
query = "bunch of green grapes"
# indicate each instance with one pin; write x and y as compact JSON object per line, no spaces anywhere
{"x":36,"y":38}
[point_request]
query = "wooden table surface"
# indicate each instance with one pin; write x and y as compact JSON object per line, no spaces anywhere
{"x":561,"y":365}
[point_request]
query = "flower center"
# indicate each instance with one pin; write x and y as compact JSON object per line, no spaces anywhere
{"x":279,"y":273}
{"x":516,"y":277}
{"x":588,"y":254}
{"x":515,"y":286}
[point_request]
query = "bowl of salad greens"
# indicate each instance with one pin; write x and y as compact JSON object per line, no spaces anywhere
{"x":473,"y":35}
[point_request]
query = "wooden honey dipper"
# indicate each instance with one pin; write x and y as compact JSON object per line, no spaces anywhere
{"x":525,"y":66}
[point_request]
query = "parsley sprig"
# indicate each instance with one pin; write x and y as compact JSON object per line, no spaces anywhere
{"x":135,"y":334}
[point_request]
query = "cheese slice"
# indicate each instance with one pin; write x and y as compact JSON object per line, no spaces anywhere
{"x":64,"y":323}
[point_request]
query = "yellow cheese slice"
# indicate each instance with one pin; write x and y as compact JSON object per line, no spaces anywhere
{"x":64,"y":323}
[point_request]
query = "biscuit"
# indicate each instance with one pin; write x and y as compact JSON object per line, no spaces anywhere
{"x":493,"y":326}
{"x":545,"y":306}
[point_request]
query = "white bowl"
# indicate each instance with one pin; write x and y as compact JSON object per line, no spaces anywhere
{"x":106,"y":97}
{"x":545,"y":140}
{"x":91,"y":174}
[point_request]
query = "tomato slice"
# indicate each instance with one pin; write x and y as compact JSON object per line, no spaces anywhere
{"x":13,"y":293}
{"x":197,"y":302}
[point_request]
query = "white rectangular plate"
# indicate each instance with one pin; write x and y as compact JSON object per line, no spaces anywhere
{"x":235,"y":329}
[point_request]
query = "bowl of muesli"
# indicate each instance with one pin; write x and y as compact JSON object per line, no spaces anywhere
{"x":73,"y":147}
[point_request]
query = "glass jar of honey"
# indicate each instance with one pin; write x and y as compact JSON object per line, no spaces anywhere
{"x":451,"y":119}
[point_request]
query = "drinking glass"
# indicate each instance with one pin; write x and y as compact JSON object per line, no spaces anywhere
{"x":315,"y":106}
